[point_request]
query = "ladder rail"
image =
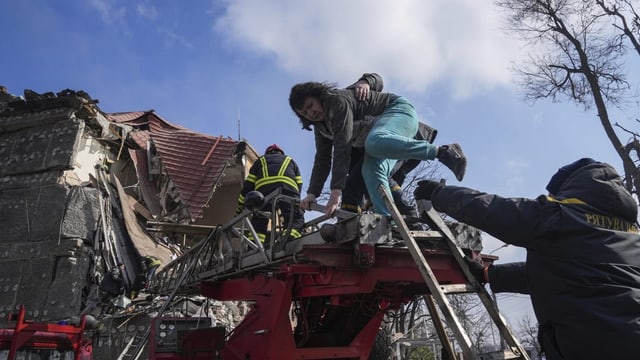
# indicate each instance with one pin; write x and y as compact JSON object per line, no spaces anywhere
{"x":430,"y":279}
{"x":483,"y":294}
{"x":437,"y":323}
{"x":137,"y":349}
{"x":131,"y":345}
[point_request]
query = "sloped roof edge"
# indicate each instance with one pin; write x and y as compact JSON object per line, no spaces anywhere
{"x":193,"y":161}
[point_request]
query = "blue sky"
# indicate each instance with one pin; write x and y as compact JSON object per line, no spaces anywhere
{"x":211,"y":64}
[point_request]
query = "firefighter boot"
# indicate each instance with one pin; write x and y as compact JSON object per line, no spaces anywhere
{"x":452,"y":157}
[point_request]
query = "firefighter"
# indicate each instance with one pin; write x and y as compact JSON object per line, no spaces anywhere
{"x":149,"y":265}
{"x":113,"y":283}
{"x":271,"y":172}
{"x":583,"y":256}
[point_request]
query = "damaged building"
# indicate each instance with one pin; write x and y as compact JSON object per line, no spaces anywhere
{"x":82,"y":190}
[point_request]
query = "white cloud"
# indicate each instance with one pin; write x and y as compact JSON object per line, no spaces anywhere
{"x":172,"y":38}
{"x":108,"y":13}
{"x":413,"y":43}
{"x":147,"y":10}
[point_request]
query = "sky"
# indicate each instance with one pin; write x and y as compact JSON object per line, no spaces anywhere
{"x":226,"y":68}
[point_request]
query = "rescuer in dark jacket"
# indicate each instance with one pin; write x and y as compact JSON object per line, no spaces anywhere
{"x":583,"y":257}
{"x":113,"y":283}
{"x":272,"y":171}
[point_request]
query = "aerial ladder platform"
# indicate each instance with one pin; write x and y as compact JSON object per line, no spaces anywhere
{"x":323,"y":295}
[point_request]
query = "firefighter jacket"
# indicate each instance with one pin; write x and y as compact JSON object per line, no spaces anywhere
{"x":150,"y":261}
{"x":113,"y":282}
{"x":269,"y":173}
{"x":583,"y":259}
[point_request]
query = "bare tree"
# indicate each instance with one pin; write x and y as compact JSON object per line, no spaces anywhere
{"x":528,"y":334}
{"x":581,"y":48}
{"x":412,"y":323}
{"x":474,"y":319}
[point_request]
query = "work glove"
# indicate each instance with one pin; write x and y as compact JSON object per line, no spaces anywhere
{"x":425,"y":189}
{"x":477,"y":269}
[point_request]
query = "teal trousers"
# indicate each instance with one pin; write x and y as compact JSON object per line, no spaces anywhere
{"x":391,"y":139}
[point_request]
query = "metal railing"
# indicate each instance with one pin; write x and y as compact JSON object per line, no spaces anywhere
{"x":230,"y":249}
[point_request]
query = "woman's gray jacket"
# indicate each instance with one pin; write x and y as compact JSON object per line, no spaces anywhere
{"x":347,"y":123}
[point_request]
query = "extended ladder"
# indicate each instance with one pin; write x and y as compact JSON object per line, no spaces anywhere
{"x":135,"y":348}
{"x":132,"y":350}
{"x":439,"y":292}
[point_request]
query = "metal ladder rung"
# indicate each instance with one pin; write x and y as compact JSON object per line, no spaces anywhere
{"x":500,"y":355}
{"x":132,"y":350}
{"x":429,"y":239}
{"x":425,"y":235}
{"x":457,"y":288}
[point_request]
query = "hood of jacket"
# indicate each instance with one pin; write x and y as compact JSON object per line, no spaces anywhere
{"x":599,"y":185}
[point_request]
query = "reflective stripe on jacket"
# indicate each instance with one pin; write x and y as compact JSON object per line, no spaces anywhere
{"x":269,"y":173}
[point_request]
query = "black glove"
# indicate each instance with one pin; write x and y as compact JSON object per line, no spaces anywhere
{"x":425,"y":189}
{"x":476,"y":268}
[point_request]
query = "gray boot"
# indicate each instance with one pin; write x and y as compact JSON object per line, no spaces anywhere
{"x":452,"y":157}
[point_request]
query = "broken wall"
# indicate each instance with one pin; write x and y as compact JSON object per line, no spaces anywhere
{"x":48,"y":227}
{"x":72,"y":203}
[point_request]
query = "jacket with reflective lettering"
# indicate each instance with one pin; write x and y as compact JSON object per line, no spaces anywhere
{"x":583,"y":259}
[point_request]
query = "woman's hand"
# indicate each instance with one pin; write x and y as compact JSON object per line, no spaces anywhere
{"x":305,"y":204}
{"x":334,"y":202}
{"x":362,"y":89}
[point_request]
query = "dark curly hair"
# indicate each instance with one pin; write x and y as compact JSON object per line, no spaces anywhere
{"x":300,"y":93}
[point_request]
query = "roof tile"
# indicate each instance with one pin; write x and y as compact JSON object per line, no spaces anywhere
{"x":194,"y":161}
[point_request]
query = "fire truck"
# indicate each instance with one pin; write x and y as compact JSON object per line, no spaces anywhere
{"x":60,"y":338}
{"x":324,"y":295}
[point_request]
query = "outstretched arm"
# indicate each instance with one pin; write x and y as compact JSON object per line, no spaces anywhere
{"x":516,"y":221}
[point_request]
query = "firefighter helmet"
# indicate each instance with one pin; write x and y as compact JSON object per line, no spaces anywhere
{"x":253,"y":200}
{"x":273,"y":148}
